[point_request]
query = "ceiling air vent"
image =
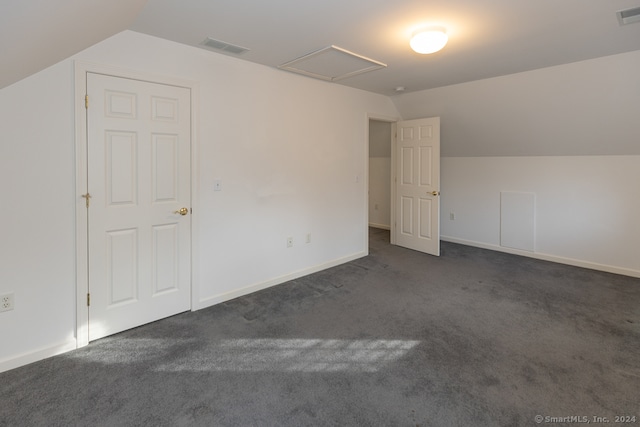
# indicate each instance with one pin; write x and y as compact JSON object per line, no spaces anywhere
{"x":628,"y":16}
{"x":224,"y":46}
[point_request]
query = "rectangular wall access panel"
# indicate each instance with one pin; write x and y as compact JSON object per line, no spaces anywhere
{"x":517,"y":220}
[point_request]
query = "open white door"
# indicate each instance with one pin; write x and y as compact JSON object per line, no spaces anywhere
{"x":139,"y":169}
{"x":417,"y":185}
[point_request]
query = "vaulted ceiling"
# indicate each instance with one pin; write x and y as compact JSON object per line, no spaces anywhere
{"x":486,"y":38}
{"x":35,"y":34}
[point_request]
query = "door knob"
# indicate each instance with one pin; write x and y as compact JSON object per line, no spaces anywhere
{"x":435,"y":193}
{"x":182,"y":211}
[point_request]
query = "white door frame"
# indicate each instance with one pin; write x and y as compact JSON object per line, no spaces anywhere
{"x":82,"y":237}
{"x":393,"y":121}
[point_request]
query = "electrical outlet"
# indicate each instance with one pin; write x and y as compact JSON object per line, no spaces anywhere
{"x":289,"y":242}
{"x":6,"y":302}
{"x":452,"y":216}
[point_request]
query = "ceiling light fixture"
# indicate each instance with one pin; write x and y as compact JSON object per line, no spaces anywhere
{"x":429,"y":39}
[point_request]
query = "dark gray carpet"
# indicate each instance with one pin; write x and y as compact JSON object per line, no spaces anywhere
{"x":472,"y":338}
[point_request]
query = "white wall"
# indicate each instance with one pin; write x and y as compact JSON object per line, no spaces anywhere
{"x":37,"y":216}
{"x":583,"y":108}
{"x":586,"y":212}
{"x":290,"y":151}
{"x":380,"y":174}
{"x":568,"y":134}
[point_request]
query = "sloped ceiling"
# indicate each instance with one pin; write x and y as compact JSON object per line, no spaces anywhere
{"x":35,"y":34}
{"x":487,"y":38}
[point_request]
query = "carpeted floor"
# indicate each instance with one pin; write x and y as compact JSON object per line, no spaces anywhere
{"x":399,"y":338}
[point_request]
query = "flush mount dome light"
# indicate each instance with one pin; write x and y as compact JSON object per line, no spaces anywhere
{"x":429,"y":40}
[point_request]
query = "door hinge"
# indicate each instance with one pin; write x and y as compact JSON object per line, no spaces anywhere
{"x":88,"y":300}
{"x":86,"y":101}
{"x":87,"y":198}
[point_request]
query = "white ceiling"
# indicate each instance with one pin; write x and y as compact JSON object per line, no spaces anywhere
{"x":486,"y":38}
{"x":35,"y":34}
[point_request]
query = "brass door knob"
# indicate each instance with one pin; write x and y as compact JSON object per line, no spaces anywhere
{"x":435,"y":193}
{"x":182,"y":211}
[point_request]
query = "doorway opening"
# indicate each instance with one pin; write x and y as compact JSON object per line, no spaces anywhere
{"x":404,"y":182}
{"x":380,"y":179}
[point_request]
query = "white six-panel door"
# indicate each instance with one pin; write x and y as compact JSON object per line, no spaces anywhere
{"x":417,"y":186}
{"x":138,"y":158}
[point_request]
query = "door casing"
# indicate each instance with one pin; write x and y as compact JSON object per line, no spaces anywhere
{"x":82,"y":276}
{"x":394,"y":125}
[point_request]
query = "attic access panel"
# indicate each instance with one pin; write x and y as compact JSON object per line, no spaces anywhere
{"x":628,"y":16}
{"x":332,"y":63}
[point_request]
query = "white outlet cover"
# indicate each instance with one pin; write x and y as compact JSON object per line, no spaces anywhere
{"x":6,"y":302}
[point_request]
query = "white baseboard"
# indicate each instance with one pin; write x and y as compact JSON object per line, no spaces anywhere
{"x":217,"y":299}
{"x":381,"y":226}
{"x":34,"y":356}
{"x":546,"y":257}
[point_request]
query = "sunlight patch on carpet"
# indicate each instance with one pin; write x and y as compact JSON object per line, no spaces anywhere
{"x":292,"y":355}
{"x":128,"y":350}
